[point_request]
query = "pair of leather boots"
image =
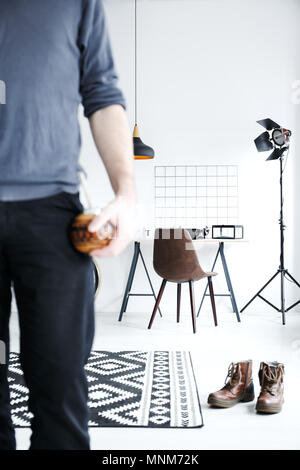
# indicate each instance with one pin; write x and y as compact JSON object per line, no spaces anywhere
{"x":239,"y":387}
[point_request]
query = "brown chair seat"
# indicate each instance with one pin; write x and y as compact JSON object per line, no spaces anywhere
{"x":175,"y":260}
{"x":171,"y":258}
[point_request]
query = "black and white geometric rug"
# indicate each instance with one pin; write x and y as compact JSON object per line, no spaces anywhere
{"x":154,"y":389}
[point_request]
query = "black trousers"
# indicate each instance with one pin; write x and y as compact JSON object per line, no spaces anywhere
{"x":53,"y":285}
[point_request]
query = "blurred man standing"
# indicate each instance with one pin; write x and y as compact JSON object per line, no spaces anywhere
{"x":55,"y":55}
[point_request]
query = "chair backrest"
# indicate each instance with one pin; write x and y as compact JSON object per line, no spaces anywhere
{"x":174,"y":257}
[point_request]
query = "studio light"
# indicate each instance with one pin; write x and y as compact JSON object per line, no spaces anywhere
{"x":277,"y":139}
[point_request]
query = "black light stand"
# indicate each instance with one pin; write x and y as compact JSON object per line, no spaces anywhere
{"x":282,"y":271}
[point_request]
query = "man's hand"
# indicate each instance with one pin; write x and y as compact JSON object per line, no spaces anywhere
{"x":121,"y":214}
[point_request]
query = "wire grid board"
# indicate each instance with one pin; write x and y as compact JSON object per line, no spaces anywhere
{"x":196,"y":196}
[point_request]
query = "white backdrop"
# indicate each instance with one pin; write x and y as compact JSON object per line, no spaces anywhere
{"x":208,"y":69}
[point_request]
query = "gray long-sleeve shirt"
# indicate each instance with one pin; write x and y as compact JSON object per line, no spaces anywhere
{"x":54,"y":55}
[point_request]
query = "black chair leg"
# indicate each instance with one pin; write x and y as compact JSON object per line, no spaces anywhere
{"x":192,"y":298}
{"x":161,"y":291}
{"x":178,"y":301}
{"x":212,"y":299}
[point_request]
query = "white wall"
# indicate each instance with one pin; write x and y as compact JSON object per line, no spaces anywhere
{"x":208,"y":69}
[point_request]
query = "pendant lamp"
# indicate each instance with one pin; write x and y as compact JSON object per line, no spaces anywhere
{"x":141,"y":150}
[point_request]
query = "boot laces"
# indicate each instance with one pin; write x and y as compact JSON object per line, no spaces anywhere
{"x":270,"y":378}
{"x":233,"y":374}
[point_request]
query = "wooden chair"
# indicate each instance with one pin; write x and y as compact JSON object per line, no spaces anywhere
{"x":175,"y":260}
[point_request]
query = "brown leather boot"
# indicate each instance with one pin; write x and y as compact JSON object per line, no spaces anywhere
{"x":270,"y":399}
{"x":238,"y":387}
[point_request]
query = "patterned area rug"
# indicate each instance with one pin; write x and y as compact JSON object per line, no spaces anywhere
{"x":128,"y":388}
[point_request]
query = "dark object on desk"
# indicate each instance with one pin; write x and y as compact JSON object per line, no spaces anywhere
{"x":228,"y":231}
{"x":279,"y":140}
{"x":175,"y":262}
{"x":197,"y":233}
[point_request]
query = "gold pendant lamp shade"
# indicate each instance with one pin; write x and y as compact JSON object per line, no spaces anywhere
{"x":141,"y":150}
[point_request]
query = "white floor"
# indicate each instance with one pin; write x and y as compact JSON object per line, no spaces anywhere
{"x":260,"y":336}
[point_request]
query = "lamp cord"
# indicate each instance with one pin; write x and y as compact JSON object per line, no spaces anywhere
{"x":135,"y":58}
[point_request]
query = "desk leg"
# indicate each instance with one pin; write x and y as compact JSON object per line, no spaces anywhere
{"x":136,"y":254}
{"x":145,"y":267}
{"x":204,"y":295}
{"x":228,"y":280}
{"x":130,"y":279}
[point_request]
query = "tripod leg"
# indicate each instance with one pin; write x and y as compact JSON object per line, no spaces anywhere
{"x":282,"y":298}
{"x":297,"y":284}
{"x":292,"y":278}
{"x":257,"y":294}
